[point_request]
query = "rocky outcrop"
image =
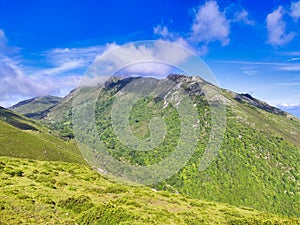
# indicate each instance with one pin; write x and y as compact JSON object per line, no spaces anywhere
{"x":248,"y":99}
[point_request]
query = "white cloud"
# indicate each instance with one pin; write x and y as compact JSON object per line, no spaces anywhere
{"x":210,"y":24}
{"x":243,"y":16}
{"x":277,"y":28}
{"x":175,"y":38}
{"x":63,"y":67}
{"x":15,"y":85}
{"x":148,"y":58}
{"x":60,"y":55}
{"x":156,"y":69}
{"x":295,"y":10}
{"x":13,"y":81}
{"x":162,"y":31}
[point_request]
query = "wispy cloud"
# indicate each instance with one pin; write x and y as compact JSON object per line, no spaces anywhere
{"x":294,"y":59}
{"x":3,"y":42}
{"x":5,"y":49}
{"x":290,"y":67}
{"x":251,"y":62}
{"x":243,"y":16}
{"x":290,"y":53}
{"x":67,"y":60}
{"x":61,"y":55}
{"x":250,"y":69}
{"x":58,"y":70}
{"x":289,"y":84}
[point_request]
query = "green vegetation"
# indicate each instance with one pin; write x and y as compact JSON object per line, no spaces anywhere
{"x":16,"y":120}
{"x":43,"y":192}
{"x":21,"y":137}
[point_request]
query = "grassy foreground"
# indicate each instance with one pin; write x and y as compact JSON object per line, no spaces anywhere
{"x":42,"y":192}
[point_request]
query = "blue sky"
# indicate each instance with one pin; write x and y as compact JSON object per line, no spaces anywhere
{"x":251,"y":46}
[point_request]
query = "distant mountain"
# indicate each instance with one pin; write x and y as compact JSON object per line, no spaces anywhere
{"x":23,"y":138}
{"x":36,"y":107}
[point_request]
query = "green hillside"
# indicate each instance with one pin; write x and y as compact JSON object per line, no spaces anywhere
{"x":40,"y":192}
{"x":36,"y":107}
{"x":24,"y":138}
{"x":257,"y":165}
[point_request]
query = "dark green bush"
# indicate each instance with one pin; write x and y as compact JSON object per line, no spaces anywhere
{"x":77,"y":205}
{"x":107,"y":214}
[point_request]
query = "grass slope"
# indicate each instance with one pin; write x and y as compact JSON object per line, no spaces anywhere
{"x":21,"y":137}
{"x":42,"y":192}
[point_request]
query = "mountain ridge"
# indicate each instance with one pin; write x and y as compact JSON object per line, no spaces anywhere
{"x":240,"y":97}
{"x":36,"y":107}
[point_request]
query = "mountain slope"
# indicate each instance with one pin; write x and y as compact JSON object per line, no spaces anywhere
{"x":36,"y":107}
{"x":38,"y":192}
{"x":257,"y":165}
{"x":22,"y":137}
